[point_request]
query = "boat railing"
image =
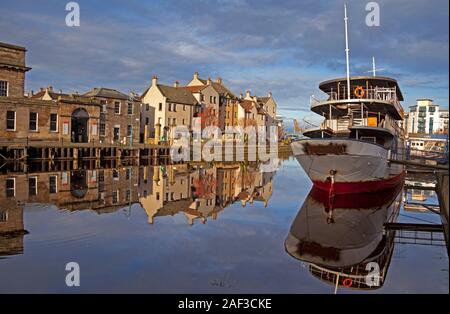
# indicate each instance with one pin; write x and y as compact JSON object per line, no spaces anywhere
{"x":343,"y":123}
{"x":385,"y":94}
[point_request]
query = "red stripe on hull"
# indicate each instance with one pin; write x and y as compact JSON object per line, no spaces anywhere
{"x":361,"y":187}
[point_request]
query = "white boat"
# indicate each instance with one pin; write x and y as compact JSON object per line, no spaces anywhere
{"x":351,"y":151}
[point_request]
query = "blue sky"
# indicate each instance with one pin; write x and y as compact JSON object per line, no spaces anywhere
{"x":286,"y":47}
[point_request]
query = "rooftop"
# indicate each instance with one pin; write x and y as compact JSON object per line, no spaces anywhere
{"x":11,"y":46}
{"x":106,"y":93}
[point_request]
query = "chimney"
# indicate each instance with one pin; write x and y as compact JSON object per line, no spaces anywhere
{"x":176,"y":84}
{"x":50,"y":88}
{"x":241,"y":96}
{"x":269,"y":94}
{"x":195,"y":75}
{"x":219,"y":80}
{"x":209,"y":81}
{"x":154,"y":80}
{"x":247,"y":94}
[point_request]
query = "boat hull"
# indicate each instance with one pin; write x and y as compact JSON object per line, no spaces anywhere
{"x":347,"y":166}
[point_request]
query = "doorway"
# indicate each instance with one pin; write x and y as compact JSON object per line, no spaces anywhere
{"x":80,"y":119}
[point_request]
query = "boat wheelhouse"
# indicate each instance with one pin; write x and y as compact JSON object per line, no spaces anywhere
{"x":370,"y":111}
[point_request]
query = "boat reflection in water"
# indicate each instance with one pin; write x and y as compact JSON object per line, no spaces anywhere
{"x":343,"y":239}
{"x":199,"y":191}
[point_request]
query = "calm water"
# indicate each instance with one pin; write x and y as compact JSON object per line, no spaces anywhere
{"x":209,"y":229}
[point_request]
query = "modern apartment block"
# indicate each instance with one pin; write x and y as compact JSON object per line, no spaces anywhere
{"x":426,"y":117}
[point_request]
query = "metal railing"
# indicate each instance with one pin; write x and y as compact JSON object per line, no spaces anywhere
{"x":386,"y":94}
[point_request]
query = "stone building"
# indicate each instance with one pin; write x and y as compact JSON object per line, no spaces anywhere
{"x":102,"y":115}
{"x":119,"y":116}
{"x":173,"y":106}
{"x":66,"y":118}
{"x":12,"y":70}
{"x":226,"y":101}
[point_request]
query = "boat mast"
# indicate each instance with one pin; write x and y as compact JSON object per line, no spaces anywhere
{"x":347,"y":51}
{"x":373,"y":67}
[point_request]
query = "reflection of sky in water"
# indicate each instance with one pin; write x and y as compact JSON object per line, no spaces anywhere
{"x":241,"y":251}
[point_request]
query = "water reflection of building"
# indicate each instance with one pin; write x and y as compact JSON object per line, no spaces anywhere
{"x":201,"y":192}
{"x":338,"y":238}
{"x":74,"y":189}
{"x":12,"y":228}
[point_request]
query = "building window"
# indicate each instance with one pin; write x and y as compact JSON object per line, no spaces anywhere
{"x":102,"y":128}
{"x":184,"y":107}
{"x":53,"y":184}
{"x":147,"y":107}
{"x":103,"y":103}
{"x":184,"y":122}
{"x":117,"y":107}
{"x":170,"y":107}
{"x":130,"y":108}
{"x":157,"y":196}
{"x":128,"y":195}
{"x":53,"y":122}
{"x":115,"y":197}
{"x":129,"y":130}
{"x":160,"y":106}
{"x":32,"y":186}
{"x":174,"y":107}
{"x":3,"y":215}
{"x":116,"y":133}
{"x":128,"y":174}
{"x":147,"y":121}
{"x":10,"y":187}
{"x":174,"y":121}
{"x":115,"y":174}
{"x":101,"y":180}
{"x":3,"y":88}
{"x":11,"y":120}
{"x":430,"y":128}
{"x":33,"y":122}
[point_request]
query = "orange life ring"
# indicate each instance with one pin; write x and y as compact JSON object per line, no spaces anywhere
{"x":359,"y":92}
{"x":347,"y":282}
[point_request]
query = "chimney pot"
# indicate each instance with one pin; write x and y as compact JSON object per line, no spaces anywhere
{"x":269,"y":94}
{"x":209,"y":81}
{"x":154,"y":80}
{"x":247,"y":93}
{"x":219,"y":80}
{"x":196,"y":75}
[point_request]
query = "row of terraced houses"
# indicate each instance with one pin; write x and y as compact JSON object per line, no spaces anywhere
{"x":109,"y":116}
